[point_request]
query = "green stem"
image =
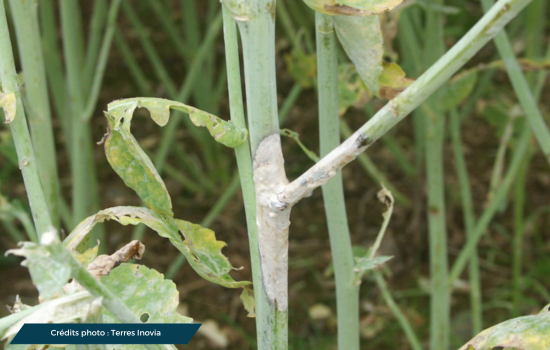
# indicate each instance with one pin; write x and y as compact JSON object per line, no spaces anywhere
{"x":396,"y":311}
{"x":347,"y":293}
{"x":97,"y":22}
{"x":289,"y":102}
{"x":522,"y":90}
{"x":20,"y":133}
{"x":469,"y":222}
{"x":40,"y":119}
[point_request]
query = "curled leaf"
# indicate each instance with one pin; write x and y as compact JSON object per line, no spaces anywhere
{"x":199,"y":245}
{"x":103,"y":264}
{"x":366,"y":264}
{"x":247,"y":297}
{"x":146,"y":293}
{"x":8,"y":103}
{"x":225,"y":132}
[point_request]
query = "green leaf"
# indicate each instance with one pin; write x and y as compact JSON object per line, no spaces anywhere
{"x":8,"y":103}
{"x":365,"y":264}
{"x":146,"y":293}
{"x":87,"y":257}
{"x":48,"y":275}
{"x":361,"y":38}
{"x":225,"y":132}
{"x":135,"y":168}
{"x":351,"y":89}
{"x":458,"y":89}
{"x":352,"y":7}
{"x":296,"y":137}
{"x":525,"y":333}
{"x":248,"y":302}
{"x":199,"y":245}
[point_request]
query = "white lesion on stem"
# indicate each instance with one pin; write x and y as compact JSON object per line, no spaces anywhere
{"x":325,"y":169}
{"x":272,"y":219}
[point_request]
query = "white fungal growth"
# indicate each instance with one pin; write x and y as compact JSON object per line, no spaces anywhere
{"x":272,"y":219}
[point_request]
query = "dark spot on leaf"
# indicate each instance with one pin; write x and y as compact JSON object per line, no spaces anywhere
{"x":144,"y":317}
{"x":434,"y":210}
{"x":363,"y":141}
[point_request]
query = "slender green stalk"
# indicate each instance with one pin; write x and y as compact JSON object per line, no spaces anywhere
{"x":469,"y":222}
{"x":99,"y":70}
{"x":522,"y":90}
{"x":481,"y":226}
{"x":97,"y":22}
{"x":191,"y":28}
{"x":396,"y":311}
{"x":135,"y":71}
{"x":167,"y":22}
{"x":264,"y":310}
{"x":20,"y":133}
{"x":347,"y":293}
{"x":40,"y":120}
{"x":289,"y":102}
{"x":440,"y":305}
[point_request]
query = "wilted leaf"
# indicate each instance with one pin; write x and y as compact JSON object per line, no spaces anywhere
{"x":351,"y":89}
{"x":225,"y":132}
{"x":48,"y":275}
{"x":103,"y":264}
{"x":361,"y":38}
{"x":8,"y":103}
{"x":302,"y":67}
{"x":200,"y":246}
{"x":146,"y":293}
{"x":457,"y":90}
{"x":75,"y":307}
{"x":352,"y":7}
{"x":135,"y":168}
{"x":393,"y":80}
{"x":247,"y":298}
{"x":524,"y":333}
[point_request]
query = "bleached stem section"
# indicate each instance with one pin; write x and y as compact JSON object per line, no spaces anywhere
{"x":398,"y":108}
{"x":273,"y":219}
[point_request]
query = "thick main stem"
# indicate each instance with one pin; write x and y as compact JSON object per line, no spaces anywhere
{"x":244,"y":163}
{"x":20,"y":133}
{"x":347,"y":294}
{"x":257,"y":27}
{"x":398,"y":108}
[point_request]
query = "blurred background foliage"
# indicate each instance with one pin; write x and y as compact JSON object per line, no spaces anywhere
{"x":174,"y":49}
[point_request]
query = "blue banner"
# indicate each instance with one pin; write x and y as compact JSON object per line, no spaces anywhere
{"x":106,"y":333}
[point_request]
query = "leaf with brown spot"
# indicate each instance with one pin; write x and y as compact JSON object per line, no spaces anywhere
{"x":103,"y":264}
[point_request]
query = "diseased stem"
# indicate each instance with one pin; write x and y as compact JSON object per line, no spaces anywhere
{"x":244,"y":164}
{"x":20,"y":133}
{"x":257,"y":28}
{"x":347,"y":293}
{"x":40,"y":119}
{"x":398,"y":108}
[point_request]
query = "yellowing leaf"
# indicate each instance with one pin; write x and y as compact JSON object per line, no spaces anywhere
{"x":199,"y":245}
{"x":361,"y":38}
{"x":393,"y":80}
{"x":8,"y":103}
{"x":135,"y":168}
{"x":302,"y":67}
{"x":351,"y":89}
{"x":247,"y":298}
{"x":525,"y":333}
